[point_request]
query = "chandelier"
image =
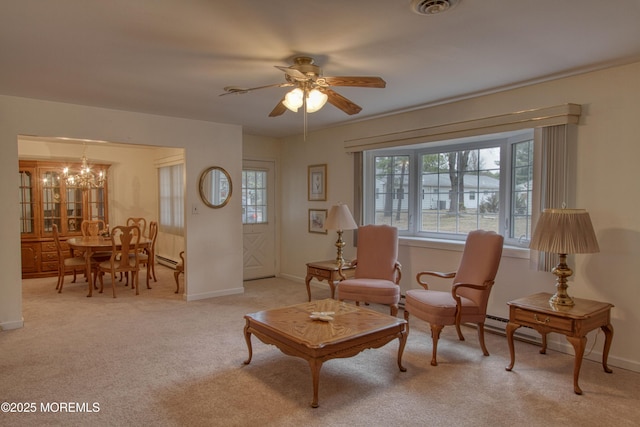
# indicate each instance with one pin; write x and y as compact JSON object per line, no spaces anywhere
{"x":84,"y":178}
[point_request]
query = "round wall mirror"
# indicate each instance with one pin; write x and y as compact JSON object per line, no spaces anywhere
{"x":215,"y":187}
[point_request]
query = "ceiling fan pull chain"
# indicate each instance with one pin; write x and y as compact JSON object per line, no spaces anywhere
{"x":304,"y":106}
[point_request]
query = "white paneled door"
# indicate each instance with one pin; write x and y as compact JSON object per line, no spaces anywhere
{"x":258,"y":219}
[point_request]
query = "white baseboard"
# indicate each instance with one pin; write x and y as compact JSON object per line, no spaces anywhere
{"x":206,"y":295}
{"x":16,"y":324}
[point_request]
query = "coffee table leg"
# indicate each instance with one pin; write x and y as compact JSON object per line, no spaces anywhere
{"x":315,"y":366}
{"x":403,"y":342}
{"x":307,"y":281}
{"x":247,"y":337}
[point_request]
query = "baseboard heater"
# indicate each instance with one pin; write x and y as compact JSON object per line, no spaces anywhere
{"x":167,"y":262}
{"x":498,"y":325}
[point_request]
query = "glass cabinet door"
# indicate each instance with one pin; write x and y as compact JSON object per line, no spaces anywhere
{"x":51,"y":202}
{"x":97,"y":208}
{"x":27,"y":203}
{"x":74,"y":209}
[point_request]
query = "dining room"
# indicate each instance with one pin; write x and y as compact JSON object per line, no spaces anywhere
{"x":129,"y":188}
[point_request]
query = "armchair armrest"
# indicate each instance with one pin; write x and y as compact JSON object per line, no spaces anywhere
{"x":398,"y":268}
{"x":425,"y":285}
{"x":454,"y":289}
{"x":456,"y":297}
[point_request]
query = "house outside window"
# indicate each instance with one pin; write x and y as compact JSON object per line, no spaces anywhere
{"x":445,"y":190}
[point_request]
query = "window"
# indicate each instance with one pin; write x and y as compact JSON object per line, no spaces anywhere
{"x":444,"y":190}
{"x":171,"y":198}
{"x":254,"y":196}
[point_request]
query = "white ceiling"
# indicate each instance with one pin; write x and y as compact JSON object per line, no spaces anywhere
{"x":174,"y":57}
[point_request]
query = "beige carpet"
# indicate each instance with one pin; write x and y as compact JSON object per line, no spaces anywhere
{"x":157,"y":360}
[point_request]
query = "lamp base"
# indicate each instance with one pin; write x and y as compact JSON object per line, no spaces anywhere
{"x":562,"y":272}
{"x":565,"y":300}
{"x":340,"y":245}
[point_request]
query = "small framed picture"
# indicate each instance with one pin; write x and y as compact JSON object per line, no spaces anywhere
{"x":317,"y":217}
{"x":317,"y":182}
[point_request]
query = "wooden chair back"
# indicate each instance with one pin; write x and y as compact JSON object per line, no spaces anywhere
{"x":92,"y":227}
{"x":140,"y":222}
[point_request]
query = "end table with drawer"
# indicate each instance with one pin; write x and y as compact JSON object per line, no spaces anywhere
{"x":574,"y":322}
{"x":327,"y":270}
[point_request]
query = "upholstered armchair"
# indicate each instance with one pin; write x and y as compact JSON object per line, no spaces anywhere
{"x":377,"y":272}
{"x":467,"y":300}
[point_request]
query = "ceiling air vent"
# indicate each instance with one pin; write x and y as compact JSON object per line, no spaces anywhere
{"x":432,"y":7}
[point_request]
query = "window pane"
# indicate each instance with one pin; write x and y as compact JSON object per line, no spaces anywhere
{"x":522,"y":190}
{"x":456,"y":187}
{"x":392,"y":191}
{"x":254,"y":196}
{"x":171,"y":199}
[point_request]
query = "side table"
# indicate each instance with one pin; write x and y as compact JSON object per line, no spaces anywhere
{"x":327,"y":270}
{"x":574,"y":322}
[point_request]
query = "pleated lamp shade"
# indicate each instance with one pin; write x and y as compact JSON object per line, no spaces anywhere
{"x":339,"y":218}
{"x":565,"y":231}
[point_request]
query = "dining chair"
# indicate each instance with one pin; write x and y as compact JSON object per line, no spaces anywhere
{"x":148,"y":255}
{"x":124,"y":257}
{"x":377,"y":272}
{"x":179,"y":269}
{"x":66,"y":263}
{"x":93,"y":227}
{"x":467,"y":300}
{"x":140,"y":222}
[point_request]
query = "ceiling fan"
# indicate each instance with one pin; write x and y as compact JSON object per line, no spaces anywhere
{"x":307,"y":80}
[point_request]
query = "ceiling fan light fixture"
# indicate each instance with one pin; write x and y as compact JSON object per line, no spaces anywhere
{"x":293,"y":99}
{"x":316,"y":100}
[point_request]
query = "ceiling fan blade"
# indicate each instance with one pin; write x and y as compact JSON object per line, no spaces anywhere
{"x":237,"y":90}
{"x":341,"y":102}
{"x":296,"y":74}
{"x":353,"y":81}
{"x":278,"y":110}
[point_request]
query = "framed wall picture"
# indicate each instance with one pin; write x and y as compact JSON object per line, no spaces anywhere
{"x":317,"y":182}
{"x":317,"y":217}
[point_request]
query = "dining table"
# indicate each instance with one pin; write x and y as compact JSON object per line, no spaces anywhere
{"x":93,"y":244}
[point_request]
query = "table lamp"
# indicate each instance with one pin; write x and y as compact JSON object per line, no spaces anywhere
{"x":339,"y":218}
{"x":564,"y":231}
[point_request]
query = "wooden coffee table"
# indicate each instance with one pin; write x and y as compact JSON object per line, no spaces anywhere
{"x":352,"y":330}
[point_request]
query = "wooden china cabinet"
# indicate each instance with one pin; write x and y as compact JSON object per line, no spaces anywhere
{"x":46,"y":199}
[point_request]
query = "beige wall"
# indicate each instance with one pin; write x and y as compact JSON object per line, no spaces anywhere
{"x":608,"y":170}
{"x":213,"y":236}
